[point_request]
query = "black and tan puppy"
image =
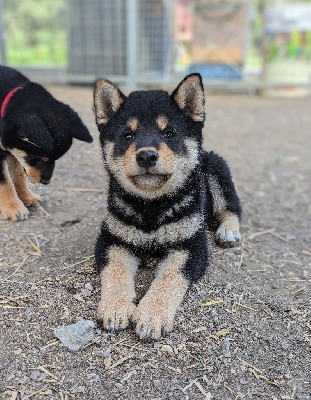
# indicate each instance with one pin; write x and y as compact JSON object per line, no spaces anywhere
{"x":35,"y":130}
{"x":164,"y":191}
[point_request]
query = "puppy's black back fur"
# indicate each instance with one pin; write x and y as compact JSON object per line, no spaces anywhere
{"x":10,"y":79}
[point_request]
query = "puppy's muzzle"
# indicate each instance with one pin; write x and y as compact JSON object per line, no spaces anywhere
{"x":147,"y":158}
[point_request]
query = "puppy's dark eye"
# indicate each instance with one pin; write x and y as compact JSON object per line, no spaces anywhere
{"x":128,"y":136}
{"x":169,"y":134}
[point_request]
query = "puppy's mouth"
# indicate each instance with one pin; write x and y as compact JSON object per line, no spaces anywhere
{"x":149,"y":182}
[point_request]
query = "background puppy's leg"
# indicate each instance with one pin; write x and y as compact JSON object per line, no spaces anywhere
{"x":226,"y":204}
{"x":20,"y":182}
{"x":117,"y":288}
{"x":156,"y":311}
{"x":11,"y":206}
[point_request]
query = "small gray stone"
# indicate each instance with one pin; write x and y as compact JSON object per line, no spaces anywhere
{"x":77,"y":335}
{"x":290,"y":236}
{"x":93,"y":376}
{"x":106,"y":353}
{"x":157,"y":383}
{"x":85,"y":292}
{"x":10,"y":377}
{"x":78,"y":389}
{"x":118,"y":385}
{"x":34,"y":376}
{"x":213,"y":312}
{"x":285,"y":345}
{"x":89,"y":286}
{"x":166,"y":348}
{"x":226,"y":348}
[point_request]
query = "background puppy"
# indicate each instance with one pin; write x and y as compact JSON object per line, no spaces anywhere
{"x":164,"y":191}
{"x":35,"y":130}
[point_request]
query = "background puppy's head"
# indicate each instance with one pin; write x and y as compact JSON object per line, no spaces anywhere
{"x":151,"y":140}
{"x":37,"y":130}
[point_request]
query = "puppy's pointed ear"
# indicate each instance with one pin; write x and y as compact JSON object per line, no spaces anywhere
{"x":107,"y":100}
{"x":189,"y":96}
{"x":81,"y":133}
{"x":78,"y":129}
{"x":33,"y":130}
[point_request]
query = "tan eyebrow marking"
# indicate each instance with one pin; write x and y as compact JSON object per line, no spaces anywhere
{"x":162,"y":122}
{"x":132,"y":123}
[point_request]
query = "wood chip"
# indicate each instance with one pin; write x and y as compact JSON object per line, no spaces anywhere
{"x":212,"y":302}
{"x":253,"y":236}
{"x":121,"y":361}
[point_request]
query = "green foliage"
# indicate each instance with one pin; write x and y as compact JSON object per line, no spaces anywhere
{"x":36,"y":32}
{"x":295,"y":45}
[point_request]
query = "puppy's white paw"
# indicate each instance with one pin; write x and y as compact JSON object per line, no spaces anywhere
{"x":227,"y":237}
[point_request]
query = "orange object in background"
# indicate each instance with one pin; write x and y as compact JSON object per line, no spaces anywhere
{"x":220,"y":32}
{"x":184,"y":21}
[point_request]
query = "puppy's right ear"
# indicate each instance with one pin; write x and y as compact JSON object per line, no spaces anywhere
{"x":107,"y":100}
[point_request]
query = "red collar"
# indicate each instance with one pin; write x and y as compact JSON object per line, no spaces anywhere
{"x":7,"y":99}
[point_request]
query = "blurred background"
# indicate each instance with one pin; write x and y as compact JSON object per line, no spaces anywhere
{"x":236,"y":45}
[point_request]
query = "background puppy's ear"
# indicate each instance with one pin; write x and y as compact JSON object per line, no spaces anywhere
{"x":79,"y":130}
{"x":33,"y":130}
{"x":107,"y":100}
{"x":189,"y":96}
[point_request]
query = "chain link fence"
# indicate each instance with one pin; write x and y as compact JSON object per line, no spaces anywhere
{"x":236,"y":44}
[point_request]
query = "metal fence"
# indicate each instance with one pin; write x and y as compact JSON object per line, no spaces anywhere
{"x":234,"y":44}
{"x":153,"y":41}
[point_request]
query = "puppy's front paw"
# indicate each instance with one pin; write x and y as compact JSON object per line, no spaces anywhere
{"x":152,"y":321}
{"x":14,"y":211}
{"x":31,"y":199}
{"x":114,"y":314}
{"x":227,"y":237}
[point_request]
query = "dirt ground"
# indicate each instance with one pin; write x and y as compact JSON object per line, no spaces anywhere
{"x":243,"y":332}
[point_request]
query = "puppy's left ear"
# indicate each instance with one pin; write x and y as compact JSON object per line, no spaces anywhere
{"x":189,"y":96}
{"x":33,"y":130}
{"x":79,"y":130}
{"x":107,"y":100}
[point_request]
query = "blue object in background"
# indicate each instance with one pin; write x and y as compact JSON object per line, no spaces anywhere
{"x":216,"y":71}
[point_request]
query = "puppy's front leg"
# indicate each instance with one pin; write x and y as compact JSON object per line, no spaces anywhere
{"x":226,"y":204}
{"x":117,"y":289}
{"x":156,"y":311}
{"x":20,"y":182}
{"x":11,"y":206}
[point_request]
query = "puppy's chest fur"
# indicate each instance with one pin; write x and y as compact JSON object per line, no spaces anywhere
{"x":159,"y":223}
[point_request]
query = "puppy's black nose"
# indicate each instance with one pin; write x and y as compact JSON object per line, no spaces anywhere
{"x":45,"y":181}
{"x":147,"y":158}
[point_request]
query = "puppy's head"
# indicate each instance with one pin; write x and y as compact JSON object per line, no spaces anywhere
{"x":151,"y":140}
{"x":29,"y":141}
{"x":37,"y":130}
